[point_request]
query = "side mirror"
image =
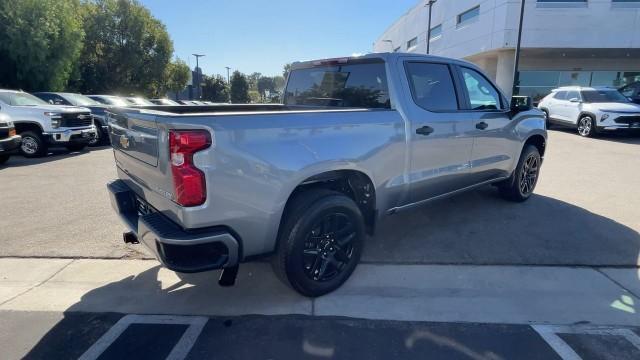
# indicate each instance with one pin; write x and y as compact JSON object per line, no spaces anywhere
{"x":521,"y":103}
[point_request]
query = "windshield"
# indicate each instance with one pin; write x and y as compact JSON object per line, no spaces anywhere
{"x":357,"y":85}
{"x":138,"y":101}
{"x":80,"y":100}
{"x":168,"y":102}
{"x":603,"y":96}
{"x":21,"y":99}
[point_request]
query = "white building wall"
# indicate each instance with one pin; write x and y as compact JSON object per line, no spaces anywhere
{"x":601,"y":24}
{"x":490,"y":40}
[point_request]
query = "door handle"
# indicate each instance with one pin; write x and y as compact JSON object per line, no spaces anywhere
{"x":482,"y":125}
{"x":425,"y":130}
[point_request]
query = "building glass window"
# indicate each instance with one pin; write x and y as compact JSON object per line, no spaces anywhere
{"x":468,"y":16}
{"x":538,"y":84}
{"x":412,"y":43}
{"x":578,"y":78}
{"x":432,"y":86}
{"x":435,"y":33}
{"x":562,"y":3}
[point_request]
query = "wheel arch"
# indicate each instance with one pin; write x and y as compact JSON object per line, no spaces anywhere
{"x":22,"y":126}
{"x":537,"y":140}
{"x":588,"y":113}
{"x":353,"y":183}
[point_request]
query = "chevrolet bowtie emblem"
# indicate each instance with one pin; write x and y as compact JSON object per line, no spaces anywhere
{"x":124,"y":141}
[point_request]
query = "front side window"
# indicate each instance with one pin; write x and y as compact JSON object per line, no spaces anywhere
{"x":573,"y":95}
{"x":482,"y":94}
{"x":361,"y":85}
{"x":432,"y":86}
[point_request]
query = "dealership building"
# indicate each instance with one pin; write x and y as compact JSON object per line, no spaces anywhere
{"x":570,"y":42}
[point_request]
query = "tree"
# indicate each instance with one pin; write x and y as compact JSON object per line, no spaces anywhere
{"x":40,"y":41}
{"x":266,"y":84}
{"x":279,"y":82}
{"x":239,"y":88}
{"x":177,"y":76}
{"x":286,"y":70}
{"x":215,"y":89}
{"x":253,"y":80}
{"x":126,"y":49}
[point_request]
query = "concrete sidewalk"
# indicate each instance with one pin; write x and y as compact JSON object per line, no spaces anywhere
{"x":485,"y":294}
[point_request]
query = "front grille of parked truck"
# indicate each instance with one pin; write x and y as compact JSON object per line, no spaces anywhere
{"x":76,"y":120}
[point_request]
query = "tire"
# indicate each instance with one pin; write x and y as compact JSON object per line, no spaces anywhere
{"x":518,"y":187}
{"x":33,"y":144}
{"x":4,"y":158}
{"x":586,"y":126}
{"x":309,"y":257}
{"x":76,"y":147}
{"x":546,"y":118}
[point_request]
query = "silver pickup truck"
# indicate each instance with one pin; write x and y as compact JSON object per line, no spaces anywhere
{"x":356,"y":138}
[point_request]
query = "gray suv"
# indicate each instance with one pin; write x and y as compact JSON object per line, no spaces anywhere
{"x":209,"y":187}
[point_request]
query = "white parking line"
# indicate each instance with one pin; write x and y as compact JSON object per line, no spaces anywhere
{"x":179,"y":351}
{"x":550,"y":334}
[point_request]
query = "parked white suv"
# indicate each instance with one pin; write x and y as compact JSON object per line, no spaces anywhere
{"x":42,"y":125}
{"x":590,"y":109}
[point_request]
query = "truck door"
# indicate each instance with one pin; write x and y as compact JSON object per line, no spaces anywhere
{"x":440,"y":135}
{"x":488,"y":113}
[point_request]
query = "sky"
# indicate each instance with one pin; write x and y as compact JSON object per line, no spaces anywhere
{"x":261,"y":36}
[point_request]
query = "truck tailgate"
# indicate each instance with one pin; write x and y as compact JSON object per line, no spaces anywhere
{"x":135,"y":135}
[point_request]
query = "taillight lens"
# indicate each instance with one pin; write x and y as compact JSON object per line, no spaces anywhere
{"x":188,"y":181}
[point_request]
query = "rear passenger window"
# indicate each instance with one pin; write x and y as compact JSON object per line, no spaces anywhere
{"x":560,"y":95}
{"x":432,"y":86}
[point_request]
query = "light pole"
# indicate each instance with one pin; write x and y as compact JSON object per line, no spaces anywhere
{"x":516,"y":72}
{"x":228,"y":83}
{"x":430,"y":3}
{"x":390,"y":43}
{"x":198,"y":56}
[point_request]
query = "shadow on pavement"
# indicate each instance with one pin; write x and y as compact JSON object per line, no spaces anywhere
{"x":480,"y":228}
{"x":624,"y":137}
{"x":54,"y":154}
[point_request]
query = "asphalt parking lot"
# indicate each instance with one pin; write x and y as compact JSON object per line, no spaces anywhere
{"x":585,"y":212}
{"x":471,"y":276}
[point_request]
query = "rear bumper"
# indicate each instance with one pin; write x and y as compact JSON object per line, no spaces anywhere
{"x":9,"y":144}
{"x":177,"y":249}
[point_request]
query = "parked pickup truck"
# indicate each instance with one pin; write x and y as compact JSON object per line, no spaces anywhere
{"x":9,"y":140}
{"x":358,"y":138}
{"x":42,"y":125}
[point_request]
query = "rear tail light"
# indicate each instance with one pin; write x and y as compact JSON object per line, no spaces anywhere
{"x":188,"y":181}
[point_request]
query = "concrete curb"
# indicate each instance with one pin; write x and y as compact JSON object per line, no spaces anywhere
{"x":488,"y":294}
